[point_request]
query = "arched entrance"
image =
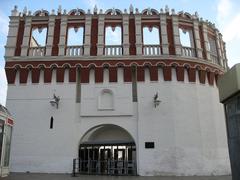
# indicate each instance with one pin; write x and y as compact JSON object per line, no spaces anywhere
{"x":107,"y":149}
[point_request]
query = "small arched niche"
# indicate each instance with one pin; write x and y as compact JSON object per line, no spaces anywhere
{"x":106,"y":100}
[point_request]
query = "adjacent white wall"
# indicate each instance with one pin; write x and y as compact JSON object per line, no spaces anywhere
{"x":188,"y":126}
{"x":188,"y":129}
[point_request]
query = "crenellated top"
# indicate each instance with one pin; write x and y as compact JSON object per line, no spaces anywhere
{"x":115,"y":34}
{"x":113,"y":11}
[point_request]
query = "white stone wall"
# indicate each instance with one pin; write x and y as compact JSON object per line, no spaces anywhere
{"x":188,"y":126}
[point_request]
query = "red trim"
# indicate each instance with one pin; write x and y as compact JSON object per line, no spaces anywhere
{"x":101,"y":63}
{"x":113,"y":74}
{"x":113,"y":64}
{"x":132,"y":37}
{"x":85,"y":75}
{"x":192,"y":75}
{"x":127,"y":74}
{"x":202,"y":76}
{"x":185,"y":26}
{"x":35,"y":75}
{"x":170,"y":37}
{"x":113,"y":24}
{"x":19,"y":38}
{"x":216,"y":78}
{"x":202,"y":42}
{"x":94,"y":37}
{"x":153,"y":73}
{"x":167,"y":73}
{"x":11,"y":75}
{"x":10,"y":122}
{"x":140,"y":73}
{"x":47,"y":75}
{"x":180,"y":73}
{"x":75,"y":25}
{"x":23,"y":75}
{"x":60,"y":74}
{"x":72,"y":74}
{"x":98,"y":74}
{"x":56,"y":37}
{"x":210,"y":76}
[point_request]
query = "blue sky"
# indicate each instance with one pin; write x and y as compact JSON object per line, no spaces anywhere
{"x":224,"y":13}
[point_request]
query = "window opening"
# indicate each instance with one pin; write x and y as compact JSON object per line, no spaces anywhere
{"x":113,"y":40}
{"x":75,"y":41}
{"x":213,"y":50}
{"x":38,"y":41}
{"x":184,"y":37}
{"x":151,"y":41}
{"x":186,"y":42}
{"x":51,"y":123}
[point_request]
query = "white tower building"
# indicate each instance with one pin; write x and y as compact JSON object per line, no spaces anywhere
{"x":142,"y":106}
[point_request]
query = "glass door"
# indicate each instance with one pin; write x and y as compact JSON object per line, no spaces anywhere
{"x":6,"y":144}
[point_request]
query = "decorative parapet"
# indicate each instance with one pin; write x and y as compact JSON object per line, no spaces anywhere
{"x":206,"y":43}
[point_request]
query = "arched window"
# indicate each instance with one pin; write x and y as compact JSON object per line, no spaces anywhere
{"x":113,"y":40}
{"x":75,"y":41}
{"x":213,"y":49}
{"x":105,"y":101}
{"x":38,"y":41}
{"x":151,"y":41}
{"x":186,"y":39}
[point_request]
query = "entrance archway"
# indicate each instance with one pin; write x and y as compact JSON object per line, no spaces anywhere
{"x":107,"y":149}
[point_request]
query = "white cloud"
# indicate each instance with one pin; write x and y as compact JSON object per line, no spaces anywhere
{"x":3,"y":86}
{"x":4,"y":24}
{"x":231,"y":30}
{"x":228,"y":20}
{"x":113,"y":37}
{"x":224,"y":9}
{"x":92,"y":3}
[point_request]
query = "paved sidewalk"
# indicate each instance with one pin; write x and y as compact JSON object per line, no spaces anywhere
{"x":37,"y":176}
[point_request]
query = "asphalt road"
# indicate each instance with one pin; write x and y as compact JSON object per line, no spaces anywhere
{"x":38,"y":176}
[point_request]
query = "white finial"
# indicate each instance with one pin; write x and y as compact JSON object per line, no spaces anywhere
{"x":29,"y":13}
{"x":78,"y":12}
{"x":53,"y":12}
{"x":64,"y":11}
{"x":173,"y":11}
{"x":113,"y":11}
{"x":131,"y":8}
{"x":137,"y":12}
{"x":125,"y":11}
{"x":95,"y":9}
{"x":25,"y":10}
{"x":76,"y":29}
{"x":15,"y":11}
{"x":113,"y":28}
{"x":88,"y":11}
{"x":166,"y":9}
{"x":149,"y":11}
{"x":161,"y":10}
{"x":15,"y":8}
{"x":196,"y":14}
{"x":59,"y":9}
{"x":101,"y":11}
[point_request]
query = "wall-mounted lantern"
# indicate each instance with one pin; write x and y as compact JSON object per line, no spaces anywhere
{"x":156,"y":100}
{"x":55,"y":101}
